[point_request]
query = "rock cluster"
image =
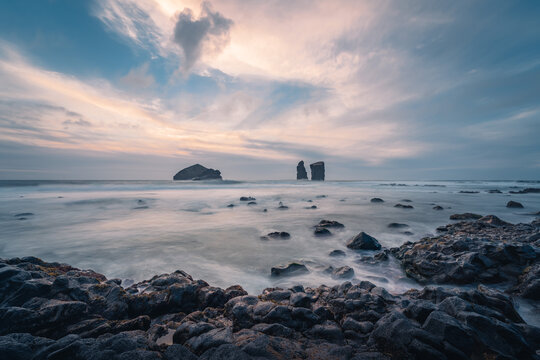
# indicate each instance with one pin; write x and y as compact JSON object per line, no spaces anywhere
{"x":197,"y":172}
{"x":487,"y":250}
{"x":54,"y":311}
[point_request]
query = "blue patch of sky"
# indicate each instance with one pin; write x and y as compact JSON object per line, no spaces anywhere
{"x":62,"y":35}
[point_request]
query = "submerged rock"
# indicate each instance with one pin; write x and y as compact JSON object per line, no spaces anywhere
{"x":283,"y":235}
{"x":321,"y":231}
{"x":337,"y":252}
{"x":197,"y":172}
{"x":330,"y":224}
{"x":317,"y":171}
{"x":404,"y":206}
{"x":377,"y":200}
{"x":289,"y":270}
{"x":465,"y":216}
{"x":438,"y":207}
{"x":247,"y":198}
{"x":514,"y":204}
{"x":397,"y":226}
{"x":301,"y":173}
{"x":363,"y":241}
{"x":526,"y":191}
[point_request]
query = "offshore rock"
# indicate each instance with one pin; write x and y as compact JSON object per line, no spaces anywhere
{"x":317,"y":171}
{"x":197,"y":172}
{"x":301,"y":173}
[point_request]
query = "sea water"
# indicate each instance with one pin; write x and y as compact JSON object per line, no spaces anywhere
{"x":133,"y":230}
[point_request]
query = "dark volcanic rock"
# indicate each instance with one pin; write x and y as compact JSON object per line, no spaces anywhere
{"x":321,"y":231}
{"x":247,"y":198}
{"x":526,"y":191}
{"x":276,"y":235}
{"x":468,"y":192}
{"x":317,"y":171}
{"x":488,"y":250}
{"x":330,"y":224}
{"x":438,"y":207}
{"x":529,"y":282}
{"x":377,"y":200}
{"x":397,"y":226}
{"x":404,"y":206}
{"x":514,"y":204}
{"x":495,"y":191}
{"x":197,"y":172}
{"x":363,"y":241}
{"x":54,"y":311}
{"x":289,"y":270}
{"x":465,"y":216}
{"x":335,"y":253}
{"x":301,"y":173}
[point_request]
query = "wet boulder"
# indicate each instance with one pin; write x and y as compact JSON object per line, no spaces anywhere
{"x":363,"y":241}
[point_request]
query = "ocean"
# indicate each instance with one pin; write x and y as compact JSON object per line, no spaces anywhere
{"x":133,"y":230}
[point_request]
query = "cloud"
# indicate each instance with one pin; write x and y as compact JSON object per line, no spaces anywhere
{"x":204,"y":36}
{"x":138,"y":78}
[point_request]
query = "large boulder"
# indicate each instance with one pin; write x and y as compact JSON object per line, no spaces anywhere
{"x":363,"y":241}
{"x":317,"y":171}
{"x":197,"y":172}
{"x":301,"y":173}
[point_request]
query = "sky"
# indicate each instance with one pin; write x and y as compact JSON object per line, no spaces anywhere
{"x":387,"y":89}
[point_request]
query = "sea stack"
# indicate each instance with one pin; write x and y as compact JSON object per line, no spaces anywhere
{"x":198,"y":172}
{"x":301,"y":173}
{"x":317,"y":171}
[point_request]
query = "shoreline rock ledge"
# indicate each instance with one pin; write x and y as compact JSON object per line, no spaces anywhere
{"x":301,"y":173}
{"x":198,"y":172}
{"x":317,"y":171}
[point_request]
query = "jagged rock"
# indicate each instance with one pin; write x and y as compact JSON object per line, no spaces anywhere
{"x":438,"y":207}
{"x":488,"y":250}
{"x":75,"y":310}
{"x":301,"y":173}
{"x":197,"y":172}
{"x":514,"y":204}
{"x":317,"y":171}
{"x":363,"y":241}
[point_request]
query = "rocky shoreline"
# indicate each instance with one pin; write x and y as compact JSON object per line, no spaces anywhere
{"x":55,"y":311}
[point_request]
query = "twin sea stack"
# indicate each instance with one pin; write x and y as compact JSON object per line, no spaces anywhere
{"x":317,"y":171}
{"x":198,"y":172}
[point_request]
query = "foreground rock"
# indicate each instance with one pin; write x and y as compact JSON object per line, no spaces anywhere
{"x":54,"y":311}
{"x":197,"y":172}
{"x":301,"y":173}
{"x":488,"y":250}
{"x":317,"y":171}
